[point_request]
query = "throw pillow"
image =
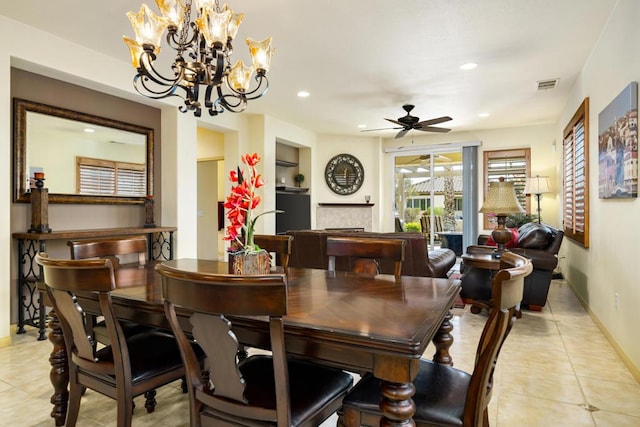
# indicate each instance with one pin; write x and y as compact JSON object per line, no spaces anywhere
{"x":512,"y":243}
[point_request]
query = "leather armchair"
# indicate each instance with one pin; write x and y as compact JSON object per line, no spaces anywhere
{"x":538,"y":242}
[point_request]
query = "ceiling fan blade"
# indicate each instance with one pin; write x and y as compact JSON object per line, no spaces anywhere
{"x":402,"y":133}
{"x":397,"y":122}
{"x":434,"y":121}
{"x":371,"y":130}
{"x":433,"y":129}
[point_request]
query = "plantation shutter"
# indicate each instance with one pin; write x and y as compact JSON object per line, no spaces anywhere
{"x":108,"y":178}
{"x":514,"y":166}
{"x":575,"y":173}
{"x":96,"y":179}
{"x":130,"y":180}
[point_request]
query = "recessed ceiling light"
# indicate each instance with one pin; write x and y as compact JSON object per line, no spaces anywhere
{"x":468,"y":66}
{"x":362,"y":126}
{"x":303,"y":94}
{"x":483,"y":115}
{"x":89,"y":130}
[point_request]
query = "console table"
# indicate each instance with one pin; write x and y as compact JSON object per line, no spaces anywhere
{"x":30,"y":305}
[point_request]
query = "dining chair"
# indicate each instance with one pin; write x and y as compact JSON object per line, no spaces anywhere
{"x":129,"y":248}
{"x":262,"y":389}
{"x":279,"y":244}
{"x":126,"y":368}
{"x":367,"y":252}
{"x":445,"y":396}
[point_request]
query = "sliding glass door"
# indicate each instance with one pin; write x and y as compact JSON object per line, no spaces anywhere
{"x":429,"y":193}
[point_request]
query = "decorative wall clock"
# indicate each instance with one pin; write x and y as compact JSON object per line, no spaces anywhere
{"x":344,"y":174}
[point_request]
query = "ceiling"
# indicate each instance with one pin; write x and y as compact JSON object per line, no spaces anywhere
{"x":361,"y":60}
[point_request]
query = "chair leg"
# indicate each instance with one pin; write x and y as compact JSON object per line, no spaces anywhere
{"x":125,"y":410}
{"x":75,"y":395}
{"x":150,"y":403}
{"x":184,"y":386}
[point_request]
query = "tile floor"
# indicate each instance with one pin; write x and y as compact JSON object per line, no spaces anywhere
{"x":556,"y":369}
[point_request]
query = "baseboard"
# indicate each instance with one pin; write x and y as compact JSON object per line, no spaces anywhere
{"x":5,"y":341}
{"x":635,"y":371}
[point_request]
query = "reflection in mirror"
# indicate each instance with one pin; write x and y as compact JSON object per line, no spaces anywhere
{"x":84,"y":158}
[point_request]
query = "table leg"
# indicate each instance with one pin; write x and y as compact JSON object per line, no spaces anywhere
{"x":396,"y":404}
{"x":443,"y":341}
{"x":59,"y":375}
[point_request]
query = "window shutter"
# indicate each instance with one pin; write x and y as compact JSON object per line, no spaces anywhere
{"x":575,"y":174}
{"x":96,"y":180}
{"x":109,"y":178}
{"x":513,"y":165}
{"x":131,"y":181}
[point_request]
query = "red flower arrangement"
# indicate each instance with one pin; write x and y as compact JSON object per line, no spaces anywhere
{"x":240,"y":205}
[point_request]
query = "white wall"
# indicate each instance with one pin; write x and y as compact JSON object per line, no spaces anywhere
{"x":610,"y":264}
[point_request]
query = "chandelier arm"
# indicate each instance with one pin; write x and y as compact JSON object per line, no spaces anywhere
{"x":147,"y":69}
{"x":223,"y":101}
{"x":141,"y":86}
{"x":259,"y":90}
{"x":219,"y":69}
{"x":176,"y":43}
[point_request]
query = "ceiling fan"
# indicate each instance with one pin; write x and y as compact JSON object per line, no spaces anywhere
{"x":409,"y":122}
{"x":424,"y":159}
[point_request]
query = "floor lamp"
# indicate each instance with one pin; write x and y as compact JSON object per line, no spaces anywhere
{"x":501,"y":201}
{"x":536,"y":186}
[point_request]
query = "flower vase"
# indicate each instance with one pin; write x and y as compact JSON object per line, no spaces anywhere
{"x":249,"y":263}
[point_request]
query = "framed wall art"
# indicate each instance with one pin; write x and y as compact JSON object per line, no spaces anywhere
{"x":618,"y":146}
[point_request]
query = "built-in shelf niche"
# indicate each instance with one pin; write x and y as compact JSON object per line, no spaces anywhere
{"x":287,"y":159}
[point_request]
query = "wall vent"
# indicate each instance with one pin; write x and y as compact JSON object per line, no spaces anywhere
{"x":548,"y":84}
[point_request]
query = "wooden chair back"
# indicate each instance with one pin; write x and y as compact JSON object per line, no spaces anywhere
{"x":110,"y":247}
{"x":258,"y":390}
{"x":458,"y":398}
{"x":212,"y":297}
{"x":366,"y":251}
{"x":507,"y":291}
{"x":279,"y":244}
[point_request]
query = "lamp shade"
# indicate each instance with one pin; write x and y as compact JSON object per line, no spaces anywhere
{"x":501,"y":199}
{"x":536,"y":185}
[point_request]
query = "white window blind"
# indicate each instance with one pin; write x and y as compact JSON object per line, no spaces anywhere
{"x":108,"y":178}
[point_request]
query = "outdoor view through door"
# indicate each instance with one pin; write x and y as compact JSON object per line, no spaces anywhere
{"x":428,"y":193}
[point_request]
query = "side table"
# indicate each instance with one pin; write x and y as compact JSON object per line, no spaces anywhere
{"x":481,"y":257}
{"x":31,"y":311}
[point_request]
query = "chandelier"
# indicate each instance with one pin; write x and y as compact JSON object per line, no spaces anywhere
{"x":203,"y":56}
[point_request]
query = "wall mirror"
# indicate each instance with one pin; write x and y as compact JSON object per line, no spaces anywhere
{"x":84,"y":158}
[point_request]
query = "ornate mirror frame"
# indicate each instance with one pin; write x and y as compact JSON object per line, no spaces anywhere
{"x":21,"y":193}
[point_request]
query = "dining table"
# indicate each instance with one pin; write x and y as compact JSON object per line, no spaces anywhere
{"x":362,"y":324}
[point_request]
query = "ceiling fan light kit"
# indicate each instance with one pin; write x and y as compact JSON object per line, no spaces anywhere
{"x":409,"y":122}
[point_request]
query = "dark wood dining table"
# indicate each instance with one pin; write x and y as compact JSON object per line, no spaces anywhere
{"x":360,"y":324}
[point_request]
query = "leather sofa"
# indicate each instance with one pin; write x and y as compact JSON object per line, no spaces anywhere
{"x":309,"y":250}
{"x":540,"y":243}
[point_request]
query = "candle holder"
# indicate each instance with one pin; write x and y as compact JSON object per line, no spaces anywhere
{"x":149,"y":222}
{"x":39,"y":206}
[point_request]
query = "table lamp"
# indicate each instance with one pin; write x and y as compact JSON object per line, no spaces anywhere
{"x":537,"y":185}
{"x":501,"y":201}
